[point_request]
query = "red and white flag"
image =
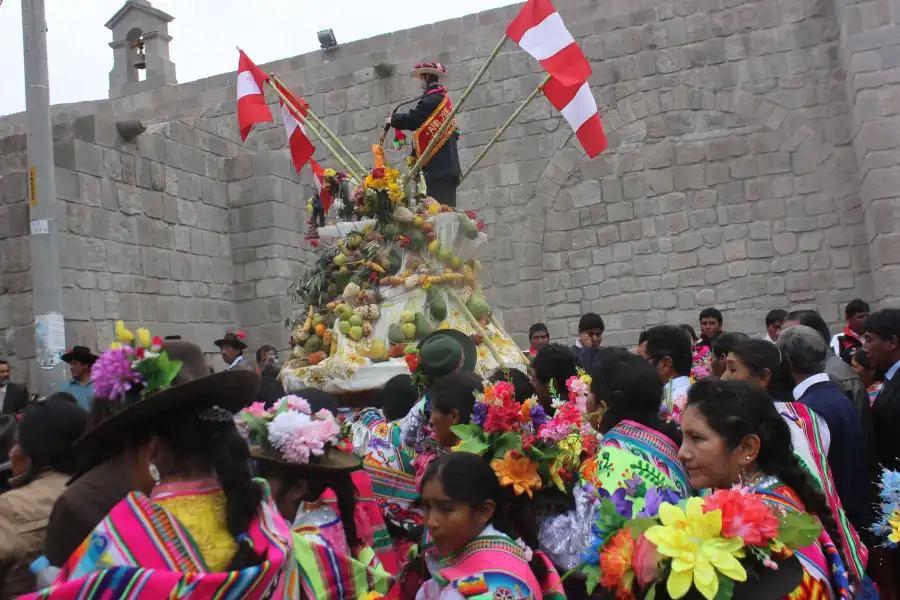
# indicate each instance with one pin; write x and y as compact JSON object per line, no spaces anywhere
{"x":298,"y":140}
{"x":251,"y":103}
{"x":578,"y":107}
{"x":319,"y":176}
{"x":540,"y":31}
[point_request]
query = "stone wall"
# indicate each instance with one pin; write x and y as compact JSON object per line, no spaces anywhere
{"x":751,"y":162}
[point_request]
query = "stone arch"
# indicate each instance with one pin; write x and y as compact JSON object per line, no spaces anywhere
{"x":756,"y":211}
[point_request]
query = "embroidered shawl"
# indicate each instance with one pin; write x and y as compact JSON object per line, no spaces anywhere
{"x":140,"y":551}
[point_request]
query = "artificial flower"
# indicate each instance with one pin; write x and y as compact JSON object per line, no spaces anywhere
{"x":298,"y":437}
{"x":156,"y":343}
{"x":294,"y":403}
{"x":744,"y":515}
{"x":122,"y":333}
{"x":692,"y":539}
{"x":256,"y":409}
{"x":615,"y":564}
{"x":654,"y":498}
{"x":143,"y":337}
{"x":517,"y":470}
{"x":645,"y":561}
{"x":113,"y":374}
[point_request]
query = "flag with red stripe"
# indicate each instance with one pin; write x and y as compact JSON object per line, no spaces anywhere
{"x":578,"y":107}
{"x":540,"y":31}
{"x":319,"y":176}
{"x":251,"y":103}
{"x":298,"y":140}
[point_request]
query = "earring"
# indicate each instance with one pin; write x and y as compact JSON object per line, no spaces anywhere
{"x":154,"y":474}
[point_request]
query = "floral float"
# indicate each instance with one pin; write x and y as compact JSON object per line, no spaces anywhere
{"x":381,"y":284}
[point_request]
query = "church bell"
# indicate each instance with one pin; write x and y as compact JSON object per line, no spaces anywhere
{"x":141,"y":61}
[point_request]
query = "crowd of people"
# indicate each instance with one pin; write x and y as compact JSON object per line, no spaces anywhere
{"x":149,"y":476}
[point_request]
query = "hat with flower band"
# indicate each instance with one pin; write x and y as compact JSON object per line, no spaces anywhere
{"x":292,"y":435}
{"x":431,"y":67}
{"x":148,"y":377}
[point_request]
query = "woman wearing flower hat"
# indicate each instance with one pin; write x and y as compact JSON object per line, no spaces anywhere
{"x":295,"y":450}
{"x":196,"y":520}
{"x":441,"y":169}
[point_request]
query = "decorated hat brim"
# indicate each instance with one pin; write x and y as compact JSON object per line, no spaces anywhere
{"x":235,"y":343}
{"x":441,"y":75}
{"x":332,"y":460}
{"x":470,"y":353}
{"x":231,"y":390}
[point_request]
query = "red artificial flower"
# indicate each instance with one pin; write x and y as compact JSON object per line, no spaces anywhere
{"x":744,"y":515}
{"x":471,"y":214}
{"x":412,"y":361}
{"x":309,"y":222}
{"x":480,"y":225}
{"x":157,"y":341}
{"x":645,"y":562}
{"x":140,"y":352}
{"x":589,"y":445}
{"x":503,"y":418}
{"x":314,"y":243}
{"x":240,"y":335}
{"x":615,"y":563}
{"x":378,"y":173}
{"x":373,"y":276}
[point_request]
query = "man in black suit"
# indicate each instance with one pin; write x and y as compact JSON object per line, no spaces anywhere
{"x":882,"y":346}
{"x":441,"y":170}
{"x":13,"y":396}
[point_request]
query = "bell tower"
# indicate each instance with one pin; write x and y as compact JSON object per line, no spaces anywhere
{"x":141,"y":48}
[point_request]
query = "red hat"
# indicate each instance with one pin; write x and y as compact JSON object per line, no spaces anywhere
{"x":430,"y":68}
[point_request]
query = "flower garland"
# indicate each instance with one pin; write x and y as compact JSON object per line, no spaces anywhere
{"x":290,"y":428}
{"x":135,"y":362}
{"x":700,"y":543}
{"x":887,"y":526}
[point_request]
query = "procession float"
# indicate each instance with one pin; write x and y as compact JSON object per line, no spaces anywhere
{"x":381,"y":283}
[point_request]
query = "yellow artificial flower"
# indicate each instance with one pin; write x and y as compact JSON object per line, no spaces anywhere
{"x":143,"y":336}
{"x":692,"y":539}
{"x":371,"y":596}
{"x":329,"y":173}
{"x":894,"y":522}
{"x":115,"y":346}
{"x":122,"y":333}
{"x":517,"y":470}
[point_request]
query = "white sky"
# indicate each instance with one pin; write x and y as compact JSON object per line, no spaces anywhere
{"x":205,"y":33}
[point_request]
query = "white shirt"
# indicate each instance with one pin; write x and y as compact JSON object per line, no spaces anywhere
{"x":805,"y":385}
{"x":892,"y":371}
{"x":236,"y":362}
{"x":769,"y":339}
{"x":3,"y":395}
{"x":836,"y":345}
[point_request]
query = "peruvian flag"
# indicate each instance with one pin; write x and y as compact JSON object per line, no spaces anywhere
{"x":324,"y":195}
{"x":540,"y":31}
{"x":298,"y":141}
{"x":578,"y":107}
{"x":251,"y":103}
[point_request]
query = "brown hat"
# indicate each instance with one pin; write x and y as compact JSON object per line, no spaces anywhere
{"x":332,"y":460}
{"x":193,"y":387}
{"x":235,"y":340}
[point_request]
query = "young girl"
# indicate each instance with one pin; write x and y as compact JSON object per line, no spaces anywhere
{"x":483,"y":536}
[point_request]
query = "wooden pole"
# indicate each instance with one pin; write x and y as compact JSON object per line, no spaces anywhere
{"x":504,"y":127}
{"x":312,"y":128}
{"x":328,"y":131}
{"x":419,"y":163}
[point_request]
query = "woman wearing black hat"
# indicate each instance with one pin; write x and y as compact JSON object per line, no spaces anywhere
{"x":42,"y":462}
{"x":196,"y":517}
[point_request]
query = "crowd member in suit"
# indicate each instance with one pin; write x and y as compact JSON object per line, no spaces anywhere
{"x":882,"y":347}
{"x":232,"y":346}
{"x":803,"y":352}
{"x":13,"y":396}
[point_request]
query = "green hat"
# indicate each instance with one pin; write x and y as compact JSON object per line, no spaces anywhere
{"x":446,"y":351}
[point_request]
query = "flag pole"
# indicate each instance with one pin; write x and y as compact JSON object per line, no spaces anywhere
{"x":296,"y":112}
{"x":446,"y":124}
{"x":504,"y":127}
{"x":330,"y":133}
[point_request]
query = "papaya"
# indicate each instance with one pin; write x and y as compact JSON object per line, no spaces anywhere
{"x":467,"y":226}
{"x":478,"y":306}
{"x":396,"y":335}
{"x":313,"y":344}
{"x":437,"y":305}
{"x":390,"y":231}
{"x":423,"y":326}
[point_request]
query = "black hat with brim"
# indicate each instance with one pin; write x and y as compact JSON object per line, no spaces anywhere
{"x":333,"y":460}
{"x":444,"y":360}
{"x":762,"y":583}
{"x":191,"y":391}
{"x":80,"y":353}
{"x":231,"y":339}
